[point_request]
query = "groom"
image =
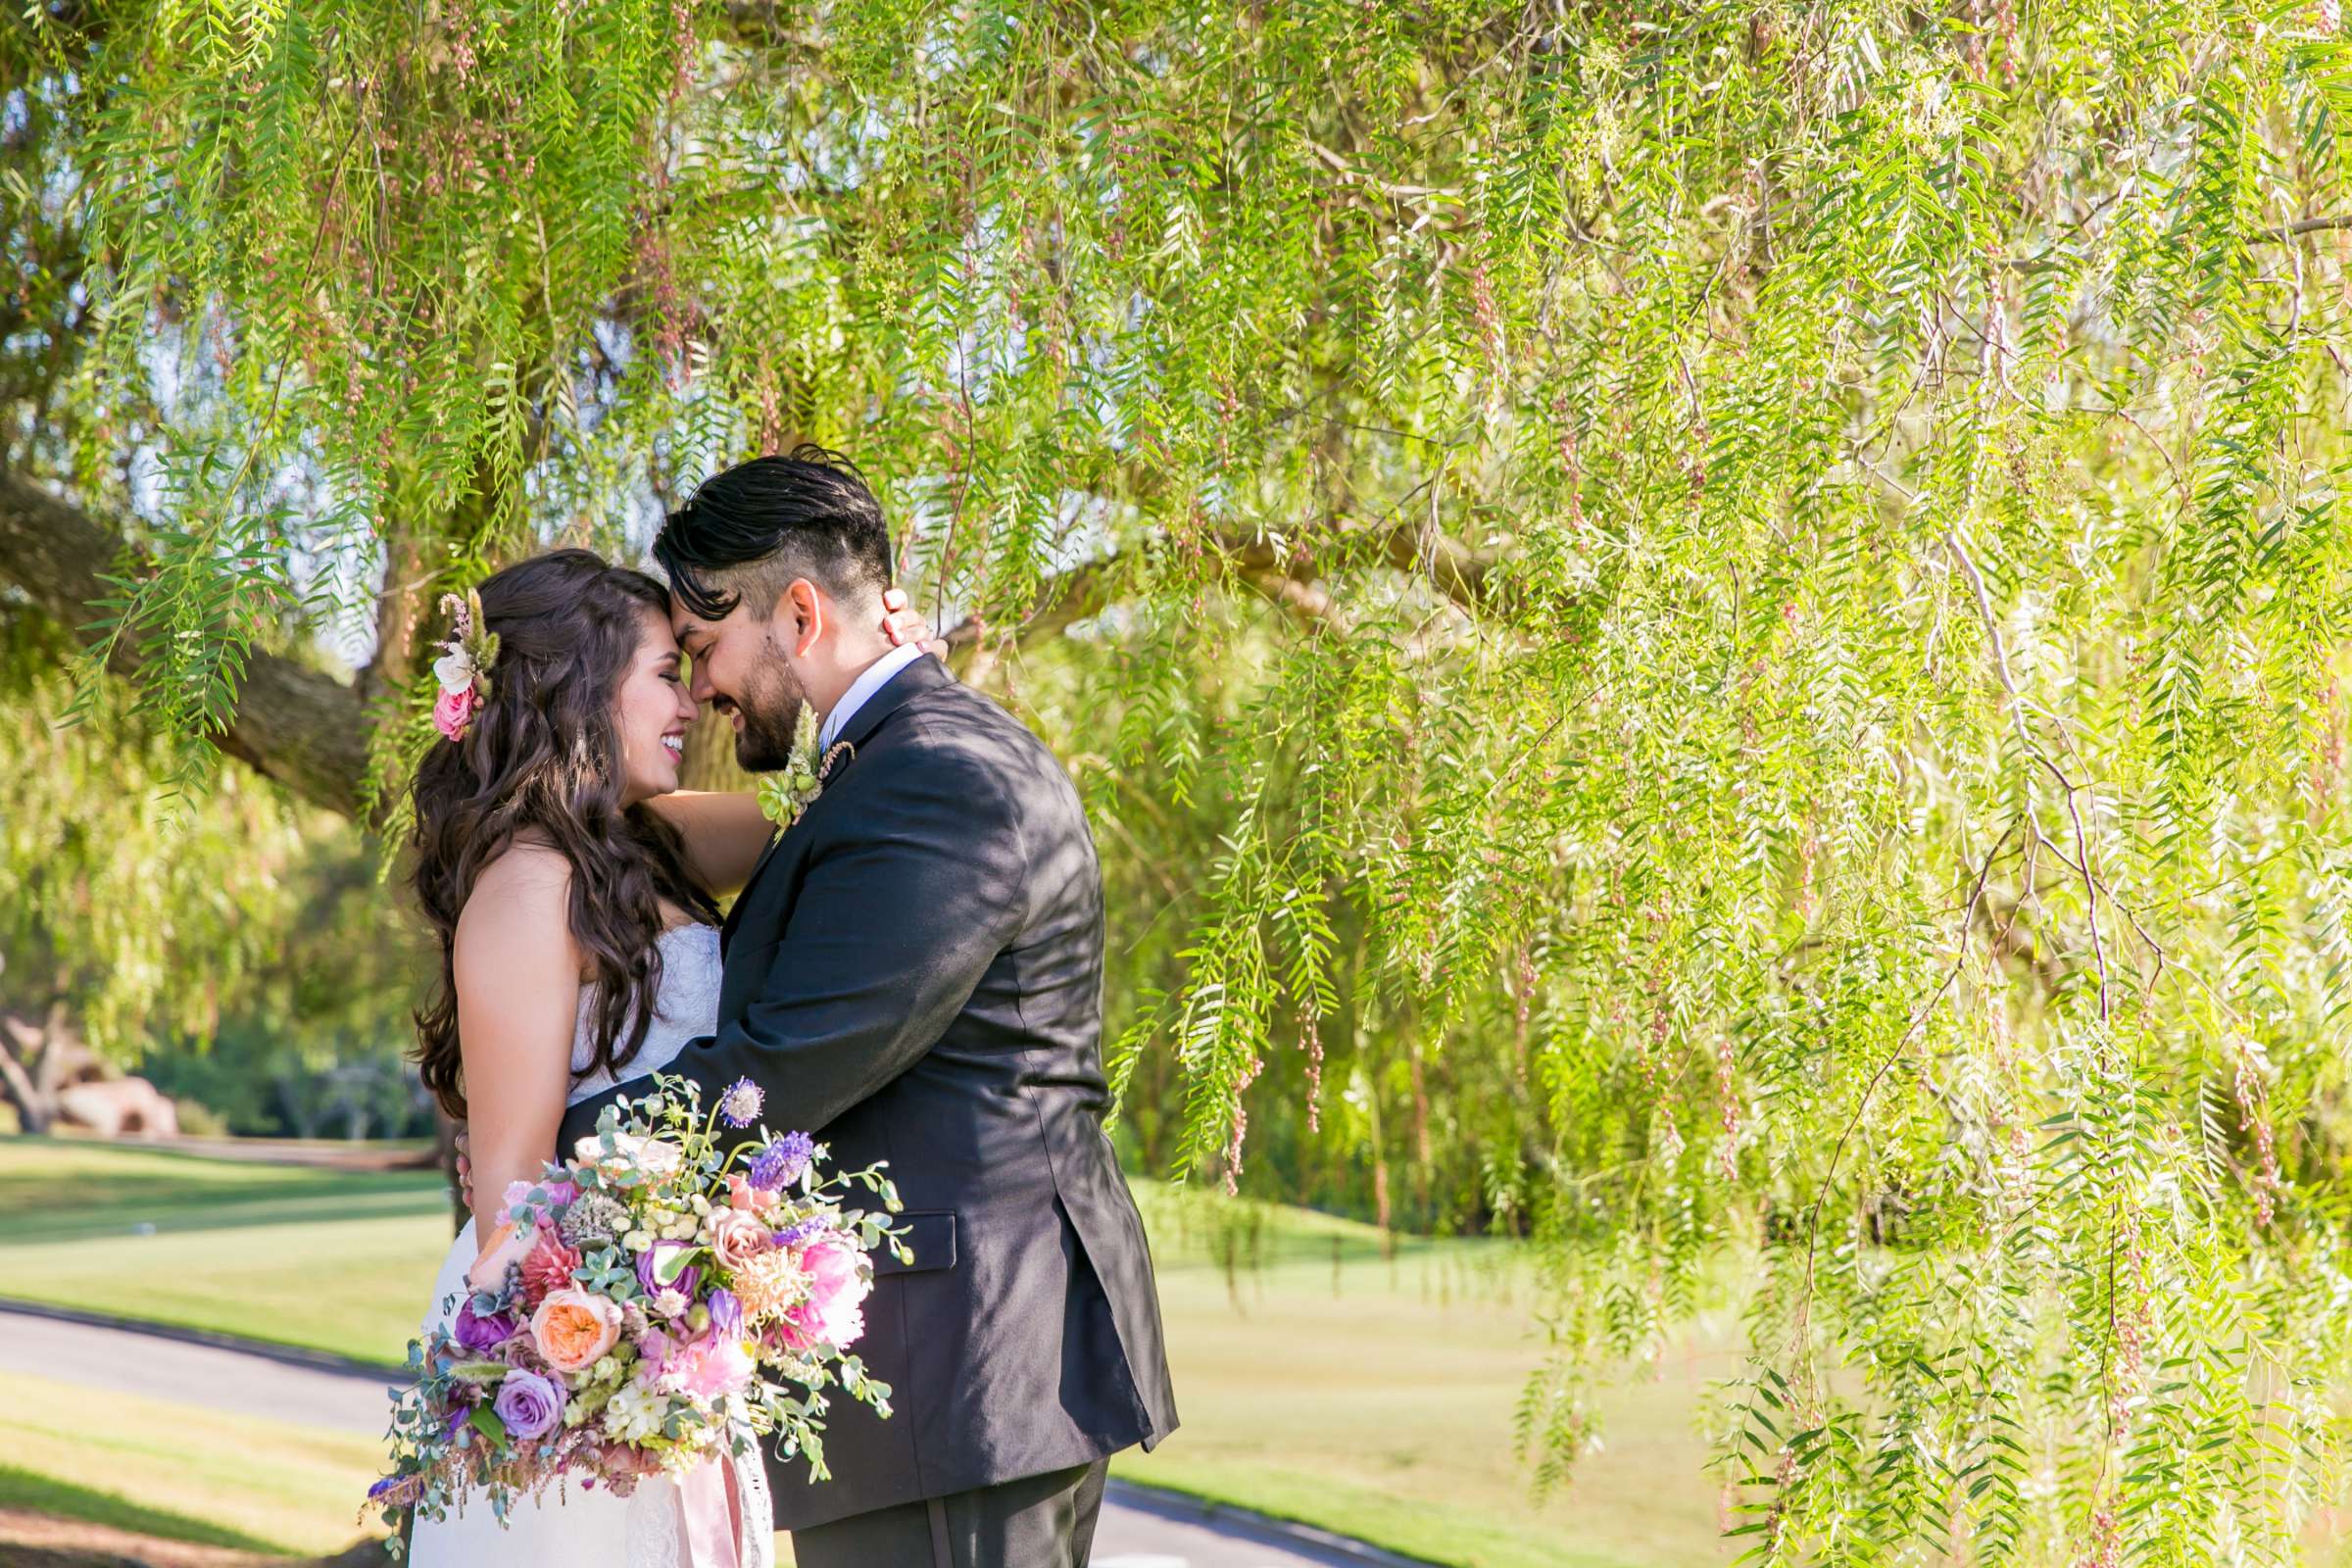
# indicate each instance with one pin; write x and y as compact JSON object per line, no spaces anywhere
{"x":914,"y":975}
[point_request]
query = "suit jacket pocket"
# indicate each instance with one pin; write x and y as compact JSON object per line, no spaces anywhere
{"x":930,"y":1236}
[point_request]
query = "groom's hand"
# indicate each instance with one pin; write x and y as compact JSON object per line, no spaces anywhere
{"x":463,"y":1147}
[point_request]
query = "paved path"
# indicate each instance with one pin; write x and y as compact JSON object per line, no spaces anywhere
{"x":1139,"y":1529}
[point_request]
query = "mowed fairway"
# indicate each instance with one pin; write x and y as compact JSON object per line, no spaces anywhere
{"x":335,"y":1260}
{"x":1377,"y":1397}
{"x":1317,"y":1378}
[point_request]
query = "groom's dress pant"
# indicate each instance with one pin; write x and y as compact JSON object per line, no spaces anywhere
{"x":1045,"y":1521}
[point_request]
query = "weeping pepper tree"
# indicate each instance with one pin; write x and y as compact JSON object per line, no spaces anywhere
{"x":1736,"y":608}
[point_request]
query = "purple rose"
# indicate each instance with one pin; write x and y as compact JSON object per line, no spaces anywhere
{"x":654,"y":1260}
{"x":529,"y":1405}
{"x":479,"y":1334}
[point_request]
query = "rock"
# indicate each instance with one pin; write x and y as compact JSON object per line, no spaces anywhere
{"x":118,"y":1108}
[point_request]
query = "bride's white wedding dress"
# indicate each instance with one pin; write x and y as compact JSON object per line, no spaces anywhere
{"x":572,"y":1528}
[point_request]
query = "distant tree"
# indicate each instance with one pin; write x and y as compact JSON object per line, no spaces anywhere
{"x":234,"y":944}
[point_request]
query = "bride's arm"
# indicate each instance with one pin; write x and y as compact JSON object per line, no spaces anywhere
{"x":725,"y":830}
{"x":518,"y":975}
{"x":724,"y":833}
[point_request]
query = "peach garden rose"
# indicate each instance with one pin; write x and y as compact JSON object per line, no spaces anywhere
{"x":573,"y":1328}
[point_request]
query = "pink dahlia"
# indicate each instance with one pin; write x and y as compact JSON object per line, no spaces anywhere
{"x":547,"y":1268}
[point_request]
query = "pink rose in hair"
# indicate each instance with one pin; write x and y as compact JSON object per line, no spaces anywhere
{"x":453,"y":711}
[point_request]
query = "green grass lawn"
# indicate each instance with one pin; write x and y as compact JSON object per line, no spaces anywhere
{"x":335,"y":1260}
{"x":1317,"y":1378}
{"x":171,"y":1470}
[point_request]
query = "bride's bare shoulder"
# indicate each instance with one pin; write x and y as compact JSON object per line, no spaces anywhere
{"x":520,"y":909}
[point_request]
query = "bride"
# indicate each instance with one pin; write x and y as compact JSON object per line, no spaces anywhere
{"x":573,"y":888}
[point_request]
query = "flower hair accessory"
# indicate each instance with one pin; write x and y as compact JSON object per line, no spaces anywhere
{"x":463,"y":667}
{"x":784,"y":796}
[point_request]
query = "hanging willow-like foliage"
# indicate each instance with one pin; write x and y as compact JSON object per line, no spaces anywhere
{"x":1776,"y":570}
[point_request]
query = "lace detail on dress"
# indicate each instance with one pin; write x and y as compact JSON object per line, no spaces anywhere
{"x":687,"y":1006}
{"x":653,"y":1528}
{"x":652,"y":1534}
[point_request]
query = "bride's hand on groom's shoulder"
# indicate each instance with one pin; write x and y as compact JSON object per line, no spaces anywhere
{"x":904,"y":625}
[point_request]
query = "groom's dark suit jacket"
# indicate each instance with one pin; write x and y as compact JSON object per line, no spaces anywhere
{"x":914,"y":975}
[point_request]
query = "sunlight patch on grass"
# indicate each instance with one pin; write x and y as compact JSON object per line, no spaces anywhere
{"x":263,"y":1485}
{"x":353,"y":1286}
{"x":1375,"y":1397}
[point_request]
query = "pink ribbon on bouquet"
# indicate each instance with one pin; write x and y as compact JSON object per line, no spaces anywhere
{"x":707,"y":1515}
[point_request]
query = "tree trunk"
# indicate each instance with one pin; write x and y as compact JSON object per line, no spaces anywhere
{"x":1383,"y":1212}
{"x":396,"y":616}
{"x":296,"y":724}
{"x":24,"y":1062}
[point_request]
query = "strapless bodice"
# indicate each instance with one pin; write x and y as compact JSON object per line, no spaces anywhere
{"x":687,"y":1006}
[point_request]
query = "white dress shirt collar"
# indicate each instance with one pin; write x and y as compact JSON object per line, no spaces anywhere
{"x":870,"y":680}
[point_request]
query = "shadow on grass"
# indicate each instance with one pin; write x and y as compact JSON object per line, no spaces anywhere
{"x":23,"y":1489}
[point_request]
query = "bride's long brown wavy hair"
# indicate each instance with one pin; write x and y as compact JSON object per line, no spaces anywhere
{"x":543,"y":758}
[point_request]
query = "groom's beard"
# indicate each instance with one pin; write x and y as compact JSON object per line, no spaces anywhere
{"x":771,"y":706}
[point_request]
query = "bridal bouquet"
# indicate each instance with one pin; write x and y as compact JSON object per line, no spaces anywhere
{"x":655,"y":1300}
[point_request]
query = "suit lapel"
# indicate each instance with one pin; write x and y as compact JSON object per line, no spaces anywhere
{"x":925,"y":674}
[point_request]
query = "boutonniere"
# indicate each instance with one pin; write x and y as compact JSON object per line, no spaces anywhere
{"x":786,"y":793}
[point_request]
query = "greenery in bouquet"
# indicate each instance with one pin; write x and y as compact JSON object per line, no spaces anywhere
{"x":678,"y":1289}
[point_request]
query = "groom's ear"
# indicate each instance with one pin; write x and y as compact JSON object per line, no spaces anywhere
{"x":800,"y":611}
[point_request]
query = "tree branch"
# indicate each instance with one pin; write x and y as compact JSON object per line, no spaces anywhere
{"x":2308,"y":226}
{"x":308,"y":731}
{"x":293,"y":724}
{"x":1460,"y":573}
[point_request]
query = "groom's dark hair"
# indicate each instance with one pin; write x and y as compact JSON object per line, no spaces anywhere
{"x":749,"y":531}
